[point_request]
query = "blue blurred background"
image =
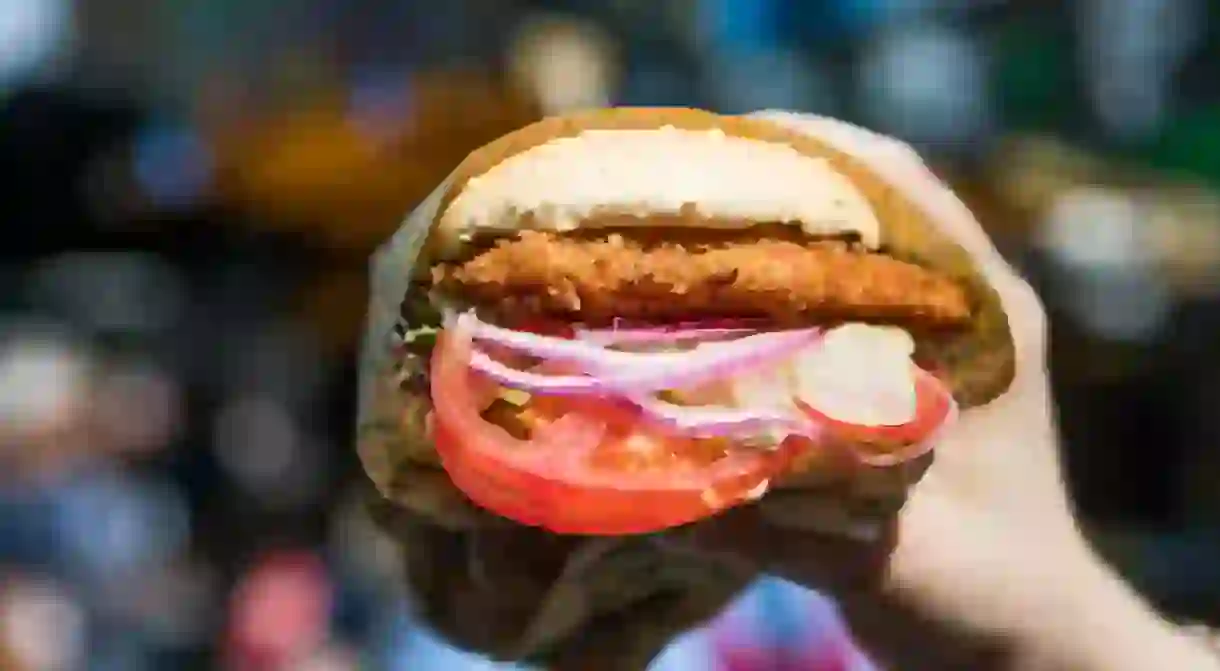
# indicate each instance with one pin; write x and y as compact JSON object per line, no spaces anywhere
{"x":189,"y":191}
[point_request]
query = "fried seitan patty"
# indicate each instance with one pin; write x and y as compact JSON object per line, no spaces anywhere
{"x":614,"y":276}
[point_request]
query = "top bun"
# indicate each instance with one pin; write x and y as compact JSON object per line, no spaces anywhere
{"x":692,"y":168}
{"x":626,"y":166}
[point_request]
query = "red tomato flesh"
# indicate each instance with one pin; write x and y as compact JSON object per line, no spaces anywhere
{"x":595,"y":467}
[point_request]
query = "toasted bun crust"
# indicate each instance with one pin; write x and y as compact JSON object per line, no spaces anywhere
{"x":978,"y":362}
{"x":633,"y":177}
{"x":765,"y":143}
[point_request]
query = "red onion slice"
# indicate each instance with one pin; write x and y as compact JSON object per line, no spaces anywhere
{"x":623,"y":333}
{"x":657,"y":336}
{"x":753,"y":323}
{"x":625,"y":372}
{"x":639,"y":375}
{"x":538,"y":383}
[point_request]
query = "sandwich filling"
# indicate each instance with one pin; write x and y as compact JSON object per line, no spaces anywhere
{"x":672,"y":314}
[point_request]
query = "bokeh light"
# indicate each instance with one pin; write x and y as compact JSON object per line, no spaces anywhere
{"x":191,"y":191}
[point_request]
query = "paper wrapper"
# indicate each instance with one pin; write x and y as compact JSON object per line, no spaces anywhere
{"x":516,"y":593}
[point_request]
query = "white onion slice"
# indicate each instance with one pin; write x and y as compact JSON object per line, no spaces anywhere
{"x":773,"y":423}
{"x":726,"y":422}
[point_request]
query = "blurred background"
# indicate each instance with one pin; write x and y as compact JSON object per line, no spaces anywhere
{"x":190,"y":190}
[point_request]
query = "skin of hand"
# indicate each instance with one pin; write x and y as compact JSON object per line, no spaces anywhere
{"x":985,"y":567}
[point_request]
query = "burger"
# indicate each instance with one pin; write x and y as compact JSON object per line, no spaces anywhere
{"x":627,"y":320}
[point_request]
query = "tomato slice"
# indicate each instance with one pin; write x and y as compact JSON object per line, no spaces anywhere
{"x":594,"y":468}
{"x":933,"y":403}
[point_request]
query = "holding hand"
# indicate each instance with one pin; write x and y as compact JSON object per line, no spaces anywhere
{"x":985,"y":567}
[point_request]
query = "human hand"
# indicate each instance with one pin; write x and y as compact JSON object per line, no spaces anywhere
{"x":985,"y":565}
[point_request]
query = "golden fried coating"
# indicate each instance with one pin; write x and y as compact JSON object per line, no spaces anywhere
{"x":598,"y":280}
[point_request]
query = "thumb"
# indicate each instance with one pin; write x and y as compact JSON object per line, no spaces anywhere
{"x":886,"y":622}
